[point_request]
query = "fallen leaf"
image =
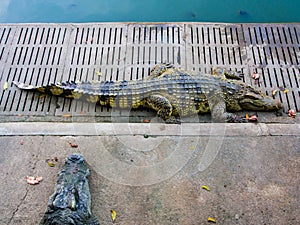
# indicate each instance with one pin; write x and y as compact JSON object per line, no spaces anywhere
{"x":51,"y":164}
{"x":33,"y":180}
{"x":42,"y":96}
{"x":285,"y":91}
{"x":73,"y":145}
{"x":255,"y":76}
{"x":192,"y":148}
{"x":274,"y":92}
{"x":205,"y":187}
{"x":253,"y":118}
{"x":113,"y":215}
{"x":146,"y":121}
{"x":98,"y":73}
{"x":5,"y":86}
{"x":66,"y":115}
{"x":247,"y":116}
{"x":292,"y":113}
{"x":211,"y":220}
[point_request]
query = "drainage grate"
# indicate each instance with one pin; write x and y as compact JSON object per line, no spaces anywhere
{"x":273,"y":52}
{"x":213,"y":45}
{"x":93,"y":50}
{"x":36,"y":56}
{"x":40,"y":54}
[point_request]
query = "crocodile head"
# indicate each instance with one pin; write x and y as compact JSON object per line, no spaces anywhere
{"x":255,"y":100}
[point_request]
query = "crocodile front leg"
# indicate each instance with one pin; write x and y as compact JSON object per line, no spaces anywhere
{"x":218,"y":112}
{"x":163,"y":107}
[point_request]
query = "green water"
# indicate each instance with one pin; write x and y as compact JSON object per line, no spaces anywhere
{"x":241,"y":11}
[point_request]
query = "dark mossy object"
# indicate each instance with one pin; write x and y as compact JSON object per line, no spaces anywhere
{"x":70,"y":204}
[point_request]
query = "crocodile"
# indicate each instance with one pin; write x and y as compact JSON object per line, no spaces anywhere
{"x":172,"y":92}
{"x":70,"y":204}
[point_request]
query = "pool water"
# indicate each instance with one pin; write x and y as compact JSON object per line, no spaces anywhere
{"x":236,"y":11}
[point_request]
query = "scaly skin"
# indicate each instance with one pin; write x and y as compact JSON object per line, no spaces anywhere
{"x":172,"y":92}
{"x":70,"y":204}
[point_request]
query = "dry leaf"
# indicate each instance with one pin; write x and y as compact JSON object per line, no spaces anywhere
{"x":66,"y":115}
{"x":192,"y":148}
{"x":42,"y":96}
{"x":33,"y":180}
{"x":285,"y":91}
{"x":113,"y":215}
{"x":205,"y":187}
{"x":247,"y":116}
{"x":73,"y":145}
{"x":253,"y":118}
{"x":212,"y":220}
{"x":146,"y":121}
{"x":5,"y":86}
{"x":98,"y":73}
{"x":255,"y":76}
{"x":274,"y":92}
{"x":292,"y":113}
{"x":51,"y":164}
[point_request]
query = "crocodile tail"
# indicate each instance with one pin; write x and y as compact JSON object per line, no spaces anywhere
{"x":63,"y":90}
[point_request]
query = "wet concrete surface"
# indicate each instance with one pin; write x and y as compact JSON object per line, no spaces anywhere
{"x":151,"y":179}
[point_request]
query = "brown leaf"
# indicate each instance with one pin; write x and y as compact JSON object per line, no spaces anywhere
{"x":73,"y":145}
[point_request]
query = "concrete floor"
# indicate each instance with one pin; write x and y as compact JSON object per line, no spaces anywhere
{"x":253,"y":176}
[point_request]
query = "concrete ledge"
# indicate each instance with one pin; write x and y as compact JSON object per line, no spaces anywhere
{"x":154,"y":129}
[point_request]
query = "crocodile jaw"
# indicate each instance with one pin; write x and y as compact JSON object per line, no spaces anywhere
{"x":265,"y":103}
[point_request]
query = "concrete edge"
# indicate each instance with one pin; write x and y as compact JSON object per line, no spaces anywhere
{"x":150,"y":129}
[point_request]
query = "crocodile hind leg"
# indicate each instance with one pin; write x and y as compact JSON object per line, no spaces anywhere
{"x":227,"y":73}
{"x":163,"y":107}
{"x":159,"y":69}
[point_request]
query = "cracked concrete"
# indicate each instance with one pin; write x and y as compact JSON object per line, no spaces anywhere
{"x":253,"y":179}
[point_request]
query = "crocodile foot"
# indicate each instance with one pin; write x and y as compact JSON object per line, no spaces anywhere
{"x":232,"y":118}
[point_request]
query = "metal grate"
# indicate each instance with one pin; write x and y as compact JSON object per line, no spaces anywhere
{"x":44,"y":53}
{"x":93,"y":50}
{"x":36,"y":56}
{"x":215,"y":45}
{"x":273,"y":52}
